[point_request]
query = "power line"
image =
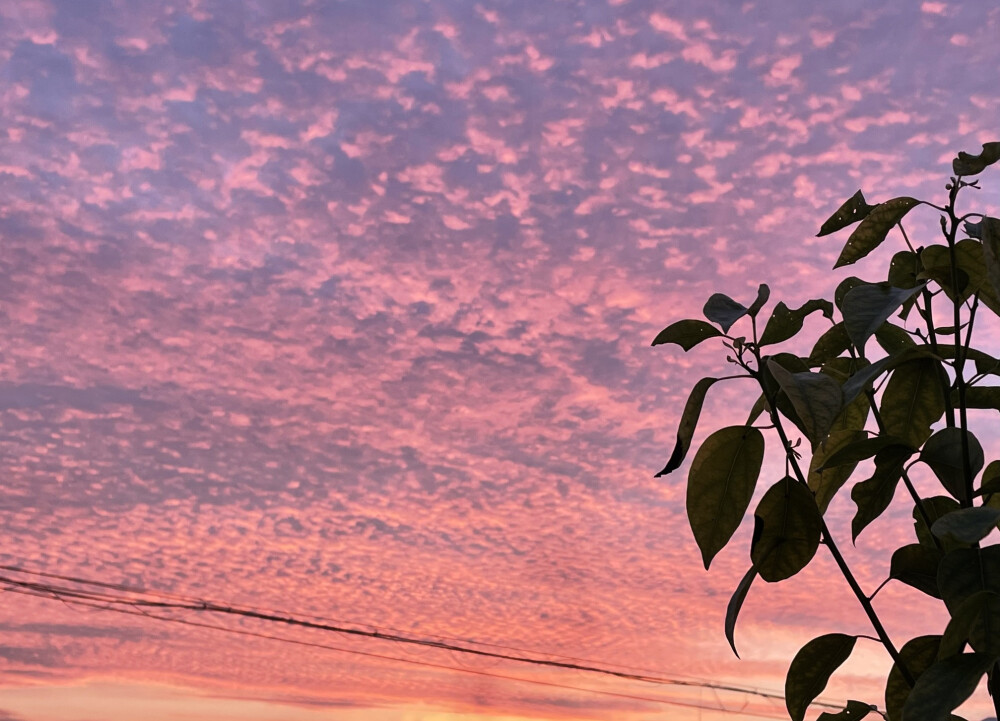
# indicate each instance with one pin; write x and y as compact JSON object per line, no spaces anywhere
{"x":426,"y":664}
{"x":178,"y":602}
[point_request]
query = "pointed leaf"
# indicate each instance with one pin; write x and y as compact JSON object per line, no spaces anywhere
{"x":874,"y":495}
{"x":724,"y":310}
{"x":735,"y":604}
{"x":917,"y":655}
{"x":861,"y":449}
{"x":789,"y":530}
{"x":720,"y":485}
{"x":763,"y":293}
{"x":972,"y":269}
{"x":874,"y":228}
{"x":990,"y":482}
{"x":784,"y":323}
{"x":865,"y":376}
{"x":966,"y":571}
{"x":689,"y":421}
{"x":943,"y":453}
{"x":913,"y":400}
{"x":816,"y":398}
{"x":854,"y":209}
{"x":811,"y":670}
{"x":792,"y":364}
{"x":945,"y":685}
{"x":825,"y":480}
{"x":844,"y":287}
{"x":966,"y":164}
{"x":917,"y":566}
{"x":686,"y":333}
{"x":867,"y":307}
{"x":903,"y":270}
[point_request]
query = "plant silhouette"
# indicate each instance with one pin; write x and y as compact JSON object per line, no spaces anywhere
{"x":887,"y":389}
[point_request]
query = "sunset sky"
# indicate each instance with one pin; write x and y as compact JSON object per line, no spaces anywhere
{"x":343,"y":309}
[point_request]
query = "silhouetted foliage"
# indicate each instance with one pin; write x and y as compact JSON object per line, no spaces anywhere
{"x":898,"y":408}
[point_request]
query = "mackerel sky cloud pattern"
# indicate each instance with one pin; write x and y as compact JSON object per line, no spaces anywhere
{"x":343,"y":308}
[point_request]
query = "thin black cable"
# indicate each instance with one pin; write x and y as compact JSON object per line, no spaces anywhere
{"x":188,"y":603}
{"x":384,"y":657}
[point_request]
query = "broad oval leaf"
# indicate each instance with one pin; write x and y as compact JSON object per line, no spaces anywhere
{"x":917,"y":566}
{"x":854,"y":209}
{"x":917,"y":655}
{"x":913,"y":400}
{"x":966,"y":164}
{"x":990,"y":482}
{"x":861,"y":449}
{"x":868,"y":306}
{"x":971,"y":622}
{"x":686,"y":333}
{"x":874,"y":495}
{"x":967,"y":525}
{"x":893,"y":339}
{"x":720,"y":485}
{"x":990,"y":234}
{"x":825,"y":479}
{"x":785,"y":323}
{"x":972,"y":269}
{"x":724,"y":310}
{"x":935,"y":507}
{"x":811,"y":669}
{"x":966,"y":571}
{"x":854,"y":711}
{"x":789,"y":530}
{"x":943,"y":453}
{"x":945,"y":685}
{"x":874,"y":228}
{"x":689,"y":421}
{"x":816,"y":398}
{"x":735,"y":604}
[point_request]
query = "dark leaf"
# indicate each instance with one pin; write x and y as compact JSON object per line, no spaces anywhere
{"x":816,"y":398}
{"x":824,"y":480}
{"x":854,"y":209}
{"x":935,"y":507}
{"x":720,"y":485}
{"x":966,"y":571}
{"x":971,"y":622}
{"x":724,"y":310}
{"x":966,"y":164}
{"x":874,"y":228}
{"x":893,"y":339}
{"x":854,"y":711}
{"x":811,"y":670}
{"x":789,"y":530}
{"x":945,"y":685}
{"x":917,"y":566}
{"x":874,"y":495}
{"x":784,"y":323}
{"x":903,"y":270}
{"x":862,"y":449}
{"x":913,"y":400}
{"x":686,"y":333}
{"x":763,"y":293}
{"x":986,"y":397}
{"x":864,"y":377}
{"x":943,"y":453}
{"x":967,"y":525}
{"x":844,"y":287}
{"x":971,"y":268}
{"x":735,"y":604}
{"x":867,"y":307}
{"x":689,"y":421}
{"x":917,"y":655}
{"x":792,"y":364}
{"x":830,"y":345}
{"x":990,"y":482}
{"x":990,"y":232}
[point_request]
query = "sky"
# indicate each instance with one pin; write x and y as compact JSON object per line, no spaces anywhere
{"x":343,"y":310}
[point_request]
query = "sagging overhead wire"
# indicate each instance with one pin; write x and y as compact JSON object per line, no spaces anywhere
{"x":141,"y":602}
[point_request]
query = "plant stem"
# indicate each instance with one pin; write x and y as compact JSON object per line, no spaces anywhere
{"x":838,"y":558}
